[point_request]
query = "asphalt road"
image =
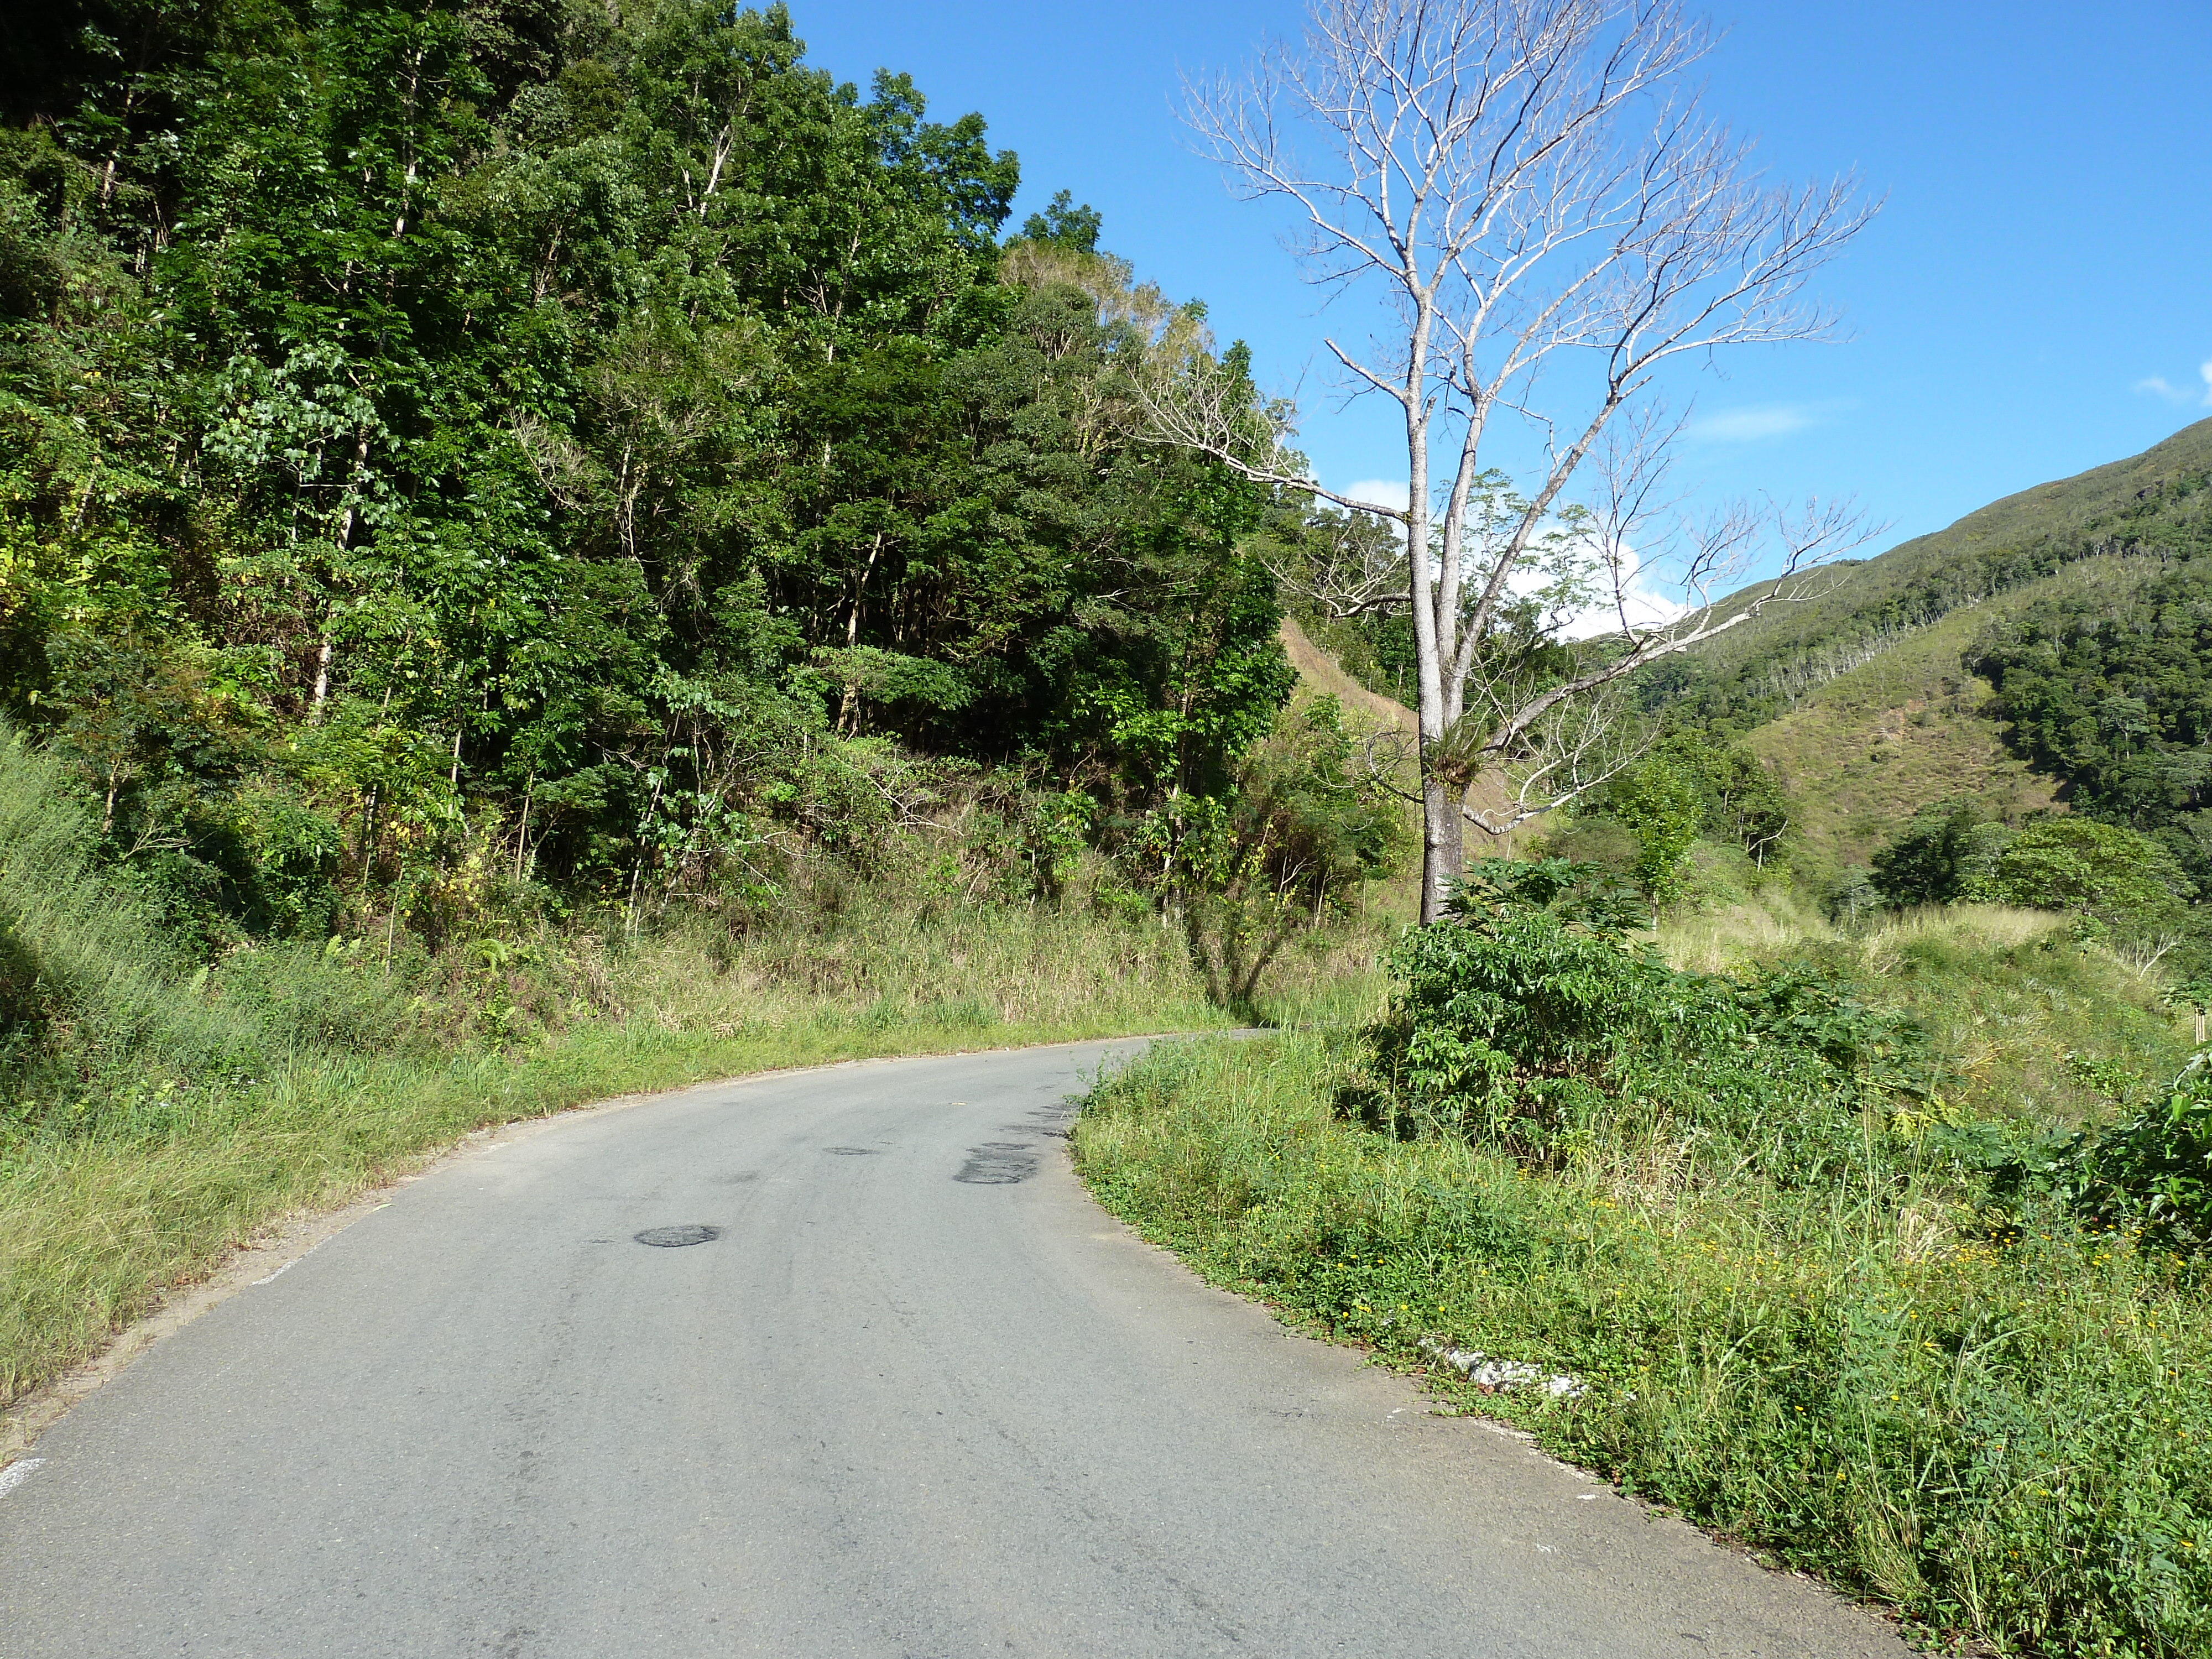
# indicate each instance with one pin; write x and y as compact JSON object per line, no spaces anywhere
{"x":918,"y":1397}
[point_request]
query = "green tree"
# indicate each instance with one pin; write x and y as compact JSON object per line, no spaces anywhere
{"x":1065,"y":224}
{"x":590,"y":429}
{"x":2123,"y":878}
{"x":1290,"y":843}
{"x":1922,"y":864}
{"x":1660,"y":802}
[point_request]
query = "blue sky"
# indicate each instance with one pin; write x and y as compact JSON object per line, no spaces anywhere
{"x":2035,"y":299}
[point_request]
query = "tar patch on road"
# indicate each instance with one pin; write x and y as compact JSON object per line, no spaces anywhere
{"x":675,"y":1238}
{"x":1003,"y":1162}
{"x":998,"y":1163}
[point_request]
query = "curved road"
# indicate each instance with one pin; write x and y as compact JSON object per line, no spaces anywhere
{"x":920,"y":1397}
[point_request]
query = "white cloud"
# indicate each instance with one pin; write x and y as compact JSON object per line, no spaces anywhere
{"x":2158,"y":386}
{"x":1383,"y":492}
{"x":1755,"y":424}
{"x":1645,"y":606}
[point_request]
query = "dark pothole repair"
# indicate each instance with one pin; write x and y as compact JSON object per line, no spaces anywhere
{"x":675,"y":1238}
{"x":1003,"y":1162}
{"x":998,"y":1163}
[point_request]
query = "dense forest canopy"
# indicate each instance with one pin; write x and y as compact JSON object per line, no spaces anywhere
{"x":578,"y":439}
{"x":2110,"y":687}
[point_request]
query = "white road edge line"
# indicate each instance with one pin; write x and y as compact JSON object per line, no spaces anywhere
{"x":287,"y":1266}
{"x":18,"y":1472}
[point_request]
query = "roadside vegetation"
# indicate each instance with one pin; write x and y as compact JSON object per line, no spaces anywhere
{"x":1822,"y":1245}
{"x":553,"y":552}
{"x":160,"y":1107}
{"x":1810,"y":1129}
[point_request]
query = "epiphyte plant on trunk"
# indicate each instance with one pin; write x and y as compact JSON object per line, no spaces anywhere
{"x":1555,"y":220}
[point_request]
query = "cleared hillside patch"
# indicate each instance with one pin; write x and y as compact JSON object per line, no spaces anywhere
{"x":1864,"y":752}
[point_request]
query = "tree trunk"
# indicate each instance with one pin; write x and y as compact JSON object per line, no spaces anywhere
{"x":522,"y":831}
{"x":848,"y":708}
{"x":323,"y":653}
{"x":348,"y":521}
{"x":1444,"y":841}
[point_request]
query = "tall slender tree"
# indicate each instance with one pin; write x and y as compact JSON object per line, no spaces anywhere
{"x":1553,"y":219}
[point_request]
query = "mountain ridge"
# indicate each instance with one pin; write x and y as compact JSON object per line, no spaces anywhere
{"x":2156,"y":501}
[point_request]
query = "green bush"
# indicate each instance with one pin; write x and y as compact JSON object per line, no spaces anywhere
{"x":2127,"y":883}
{"x":2151,"y":1173}
{"x":1922,"y":864}
{"x":1660,"y":802}
{"x":1527,"y":1020}
{"x":2124,"y":879}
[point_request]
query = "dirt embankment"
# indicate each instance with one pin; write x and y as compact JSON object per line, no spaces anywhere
{"x":1320,"y":674}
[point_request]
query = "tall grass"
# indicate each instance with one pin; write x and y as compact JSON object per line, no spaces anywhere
{"x":2011,"y":1006}
{"x":2002,"y":1432}
{"x":73,"y":946}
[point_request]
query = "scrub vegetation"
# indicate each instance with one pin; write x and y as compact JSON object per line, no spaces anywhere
{"x":162,"y":1111}
{"x":1828,"y":1280}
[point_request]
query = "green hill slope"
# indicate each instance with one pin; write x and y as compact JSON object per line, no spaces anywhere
{"x":1866,"y":698}
{"x":2155,"y":502}
{"x":1910,"y":725}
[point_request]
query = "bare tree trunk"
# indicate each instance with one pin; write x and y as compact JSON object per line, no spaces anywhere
{"x":323,"y":652}
{"x":1444,"y":843}
{"x":522,"y":829}
{"x":848,"y":708}
{"x":327,"y":647}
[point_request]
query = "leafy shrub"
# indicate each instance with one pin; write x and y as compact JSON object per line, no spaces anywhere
{"x":1922,"y":864}
{"x":1660,"y":803}
{"x":2125,"y":879}
{"x":2000,"y":1432}
{"x":2152,"y":1173}
{"x":1301,"y":826}
{"x":1528,"y":1019}
{"x":2126,"y":882}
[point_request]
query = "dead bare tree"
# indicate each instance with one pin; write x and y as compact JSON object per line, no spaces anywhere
{"x":1536,"y":188}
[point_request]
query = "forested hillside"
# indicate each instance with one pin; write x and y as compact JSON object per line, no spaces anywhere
{"x":441,"y":442}
{"x":2046,"y":652}
{"x":2152,"y":505}
{"x":548,"y":550}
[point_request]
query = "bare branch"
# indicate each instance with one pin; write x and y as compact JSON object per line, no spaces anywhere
{"x":1349,"y":565}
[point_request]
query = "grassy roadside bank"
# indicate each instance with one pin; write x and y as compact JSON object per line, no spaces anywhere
{"x":162,"y":1100}
{"x":2001,"y":1436}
